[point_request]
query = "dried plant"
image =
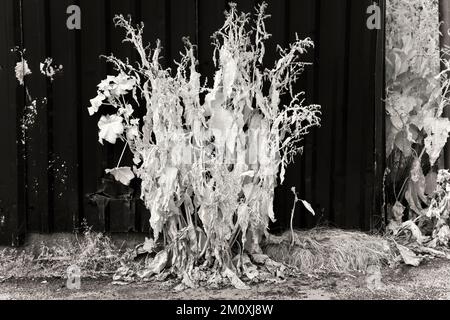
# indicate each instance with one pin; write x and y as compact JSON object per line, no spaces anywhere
{"x":208,"y":158}
{"x":94,"y":253}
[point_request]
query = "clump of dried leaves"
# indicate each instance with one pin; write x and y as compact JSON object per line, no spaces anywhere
{"x":208,"y":158}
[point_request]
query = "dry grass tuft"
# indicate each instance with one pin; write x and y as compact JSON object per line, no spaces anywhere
{"x":330,"y":250}
{"x":94,"y":253}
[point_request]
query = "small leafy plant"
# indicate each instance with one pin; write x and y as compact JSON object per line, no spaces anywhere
{"x":209,"y":158}
{"x":417,"y":92}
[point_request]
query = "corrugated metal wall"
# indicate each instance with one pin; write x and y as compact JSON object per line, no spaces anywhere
{"x":46,"y":181}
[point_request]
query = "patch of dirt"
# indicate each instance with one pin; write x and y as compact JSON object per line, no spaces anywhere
{"x":429,"y":281}
{"x":103,"y":289}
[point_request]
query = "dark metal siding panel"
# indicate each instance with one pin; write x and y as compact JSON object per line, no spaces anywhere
{"x":378,"y":217}
{"x":117,"y":214}
{"x":12,"y":186}
{"x":341,"y":168}
{"x":36,"y":43}
{"x":337,"y":171}
{"x":65,"y":111}
{"x":93,"y":159}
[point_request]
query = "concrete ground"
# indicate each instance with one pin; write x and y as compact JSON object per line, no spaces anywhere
{"x":429,"y":281}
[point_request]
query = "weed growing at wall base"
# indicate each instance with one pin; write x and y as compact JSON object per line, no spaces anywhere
{"x":208,"y":214}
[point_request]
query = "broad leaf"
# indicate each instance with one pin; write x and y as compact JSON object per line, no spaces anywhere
{"x":124,"y":175}
{"x":308,"y":207}
{"x":96,"y":103}
{"x":437,"y":135}
{"x":408,"y":256}
{"x":111,"y":127}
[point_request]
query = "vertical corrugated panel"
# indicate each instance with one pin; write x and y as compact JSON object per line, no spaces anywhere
{"x":119,"y":217}
{"x":339,"y":171}
{"x":12,"y":182}
{"x":65,"y":109}
{"x":93,"y":159}
{"x":35,"y":41}
{"x":332,"y":79}
{"x":360,"y":128}
{"x":378,"y":211}
{"x":302,"y":171}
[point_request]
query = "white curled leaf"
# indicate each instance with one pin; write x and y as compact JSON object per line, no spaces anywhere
{"x":207,"y":216}
{"x":96,"y":103}
{"x":137,"y":159}
{"x":149,"y":245}
{"x":399,"y":108}
{"x":156,"y":265}
{"x":253,"y":137}
{"x":234,"y":279}
{"x":308,"y":207}
{"x":159,"y":262}
{"x":124,"y":174}
{"x":408,"y":256}
{"x":282,"y":173}
{"x":110,"y":128}
{"x":249,"y":269}
{"x":243,"y":220}
{"x":132,"y":132}
{"x":443,"y":235}
{"x":230,"y":69}
{"x":250,"y":173}
{"x":125,"y":83}
{"x":127,"y":111}
{"x":22,"y":70}
{"x":402,"y":143}
{"x":437,"y":135}
{"x":397,"y":211}
{"x":116,"y":86}
{"x":414,"y":231}
{"x":274,"y":99}
{"x":221,"y":125}
{"x":248,"y":190}
{"x":268,"y":202}
{"x":168,"y":180}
